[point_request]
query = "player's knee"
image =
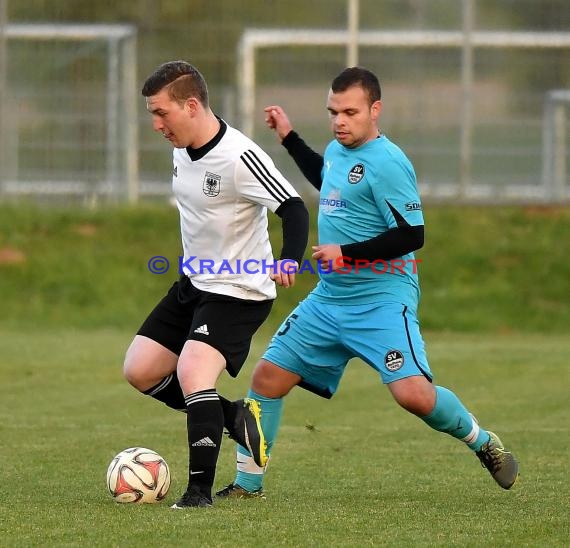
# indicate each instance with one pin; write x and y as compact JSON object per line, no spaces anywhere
{"x":414,"y":395}
{"x":129,"y":372}
{"x":133,"y":374}
{"x":272,"y":381}
{"x":417,"y":405}
{"x":261,"y":382}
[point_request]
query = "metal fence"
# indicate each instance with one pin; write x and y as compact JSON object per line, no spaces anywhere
{"x":473,"y":90}
{"x":64,"y":134}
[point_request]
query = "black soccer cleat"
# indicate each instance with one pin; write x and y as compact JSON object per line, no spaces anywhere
{"x":247,"y":430}
{"x":193,"y":498}
{"x":501,"y":463}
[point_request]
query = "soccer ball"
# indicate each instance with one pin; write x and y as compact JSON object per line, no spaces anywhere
{"x":138,"y":475}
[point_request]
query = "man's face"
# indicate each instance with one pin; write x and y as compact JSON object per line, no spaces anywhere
{"x":172,"y":119}
{"x":353,"y":119}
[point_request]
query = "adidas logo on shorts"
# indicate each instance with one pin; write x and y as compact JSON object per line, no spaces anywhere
{"x":203,"y":330}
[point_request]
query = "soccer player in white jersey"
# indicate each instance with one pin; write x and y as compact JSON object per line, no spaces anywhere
{"x":223,"y":184}
{"x":365,"y":304}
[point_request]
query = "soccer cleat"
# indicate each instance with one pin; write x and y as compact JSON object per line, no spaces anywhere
{"x":501,"y":463}
{"x":247,"y":430}
{"x":193,"y":498}
{"x":237,"y":492}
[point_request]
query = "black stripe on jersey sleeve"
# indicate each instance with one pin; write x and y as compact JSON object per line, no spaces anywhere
{"x":262,"y":174}
{"x":400,"y":221}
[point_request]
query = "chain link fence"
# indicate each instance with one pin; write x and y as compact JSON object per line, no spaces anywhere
{"x":466,"y":88}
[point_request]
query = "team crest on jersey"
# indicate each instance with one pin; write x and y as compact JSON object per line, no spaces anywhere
{"x":211,"y":185}
{"x":394,"y":360}
{"x":356,"y":173}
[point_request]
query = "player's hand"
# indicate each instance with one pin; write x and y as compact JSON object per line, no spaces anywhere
{"x":329,"y":255}
{"x":284,"y":272}
{"x":277,"y":120}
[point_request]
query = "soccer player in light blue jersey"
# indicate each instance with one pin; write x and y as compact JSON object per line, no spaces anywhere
{"x":365,"y":303}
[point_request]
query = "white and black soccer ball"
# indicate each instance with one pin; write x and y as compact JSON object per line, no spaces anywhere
{"x":138,"y":475}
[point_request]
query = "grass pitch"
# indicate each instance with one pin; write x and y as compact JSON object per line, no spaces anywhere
{"x":353,"y":471}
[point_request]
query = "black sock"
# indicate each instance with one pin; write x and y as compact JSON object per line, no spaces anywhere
{"x":168,"y":391}
{"x":205,"y":421}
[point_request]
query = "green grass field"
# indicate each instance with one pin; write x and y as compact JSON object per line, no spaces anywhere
{"x":353,"y":471}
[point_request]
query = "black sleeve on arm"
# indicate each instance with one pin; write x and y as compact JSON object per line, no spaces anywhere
{"x":295,"y":223}
{"x":391,"y":244}
{"x":309,"y":162}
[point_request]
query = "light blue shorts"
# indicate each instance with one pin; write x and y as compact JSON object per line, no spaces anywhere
{"x":317,"y":340}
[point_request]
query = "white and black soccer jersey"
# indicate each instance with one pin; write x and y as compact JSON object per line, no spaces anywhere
{"x":223,"y":191}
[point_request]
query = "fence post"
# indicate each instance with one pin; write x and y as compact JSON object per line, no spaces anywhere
{"x":353,"y":24}
{"x":112,"y":183}
{"x":466,"y":138}
{"x":554,"y":144}
{"x":3,"y":94}
{"x":131,"y":97}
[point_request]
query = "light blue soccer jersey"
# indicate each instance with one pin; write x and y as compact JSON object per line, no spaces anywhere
{"x":366,"y":191}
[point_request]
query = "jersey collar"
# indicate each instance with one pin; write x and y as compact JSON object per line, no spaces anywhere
{"x":198,"y":153}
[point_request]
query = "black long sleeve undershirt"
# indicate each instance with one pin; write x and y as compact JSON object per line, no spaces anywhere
{"x":308,"y":161}
{"x":295,"y":226}
{"x":391,"y":244}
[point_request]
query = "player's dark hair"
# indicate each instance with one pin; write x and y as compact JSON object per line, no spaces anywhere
{"x":358,"y":76}
{"x":181,"y":79}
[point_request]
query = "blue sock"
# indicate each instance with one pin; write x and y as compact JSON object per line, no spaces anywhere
{"x":450,"y":416}
{"x":249,"y":475}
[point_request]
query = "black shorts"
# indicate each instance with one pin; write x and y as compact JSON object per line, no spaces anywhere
{"x":225,"y":323}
